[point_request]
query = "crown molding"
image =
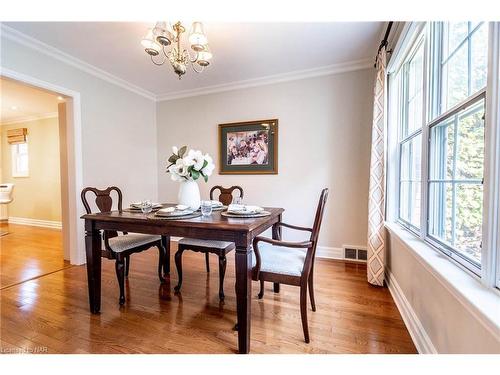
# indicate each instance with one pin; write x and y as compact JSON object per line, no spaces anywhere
{"x":21,"y":119}
{"x":345,"y":67}
{"x":35,"y":44}
{"x":23,"y":39}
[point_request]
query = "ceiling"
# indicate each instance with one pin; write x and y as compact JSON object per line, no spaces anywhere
{"x":22,"y":102}
{"x":242,"y":51}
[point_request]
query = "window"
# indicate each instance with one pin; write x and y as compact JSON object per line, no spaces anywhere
{"x":456,"y":148}
{"x":456,"y":162}
{"x":441,"y":105}
{"x":464,"y":55}
{"x":411,"y":138}
{"x":20,"y":160}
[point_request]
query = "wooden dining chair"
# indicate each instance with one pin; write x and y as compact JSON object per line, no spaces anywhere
{"x":219,"y":248}
{"x":120,"y":247}
{"x":283,"y":262}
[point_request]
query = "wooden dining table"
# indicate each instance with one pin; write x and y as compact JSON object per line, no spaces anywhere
{"x":241,"y":231}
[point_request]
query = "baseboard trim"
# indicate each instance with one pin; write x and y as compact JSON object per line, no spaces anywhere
{"x":417,"y":332}
{"x":35,"y":222}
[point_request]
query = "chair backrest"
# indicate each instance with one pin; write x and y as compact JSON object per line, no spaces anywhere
{"x":226,"y":194}
{"x":6,"y":192}
{"x":104,"y":203}
{"x":319,"y":217}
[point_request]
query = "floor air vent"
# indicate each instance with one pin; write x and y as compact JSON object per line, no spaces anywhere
{"x":355,"y":253}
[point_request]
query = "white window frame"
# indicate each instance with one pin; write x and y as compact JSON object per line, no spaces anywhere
{"x":14,"y":158}
{"x":490,"y":267}
{"x":434,"y":240}
{"x":403,"y":116}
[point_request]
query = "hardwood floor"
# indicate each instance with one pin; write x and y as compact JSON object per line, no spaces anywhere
{"x":50,"y":313}
{"x":28,"y":252}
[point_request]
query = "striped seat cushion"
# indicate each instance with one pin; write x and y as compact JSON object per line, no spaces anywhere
{"x":206,"y":243}
{"x":131,"y":240}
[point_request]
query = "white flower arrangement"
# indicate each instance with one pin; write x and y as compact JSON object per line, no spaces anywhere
{"x":190,"y":166}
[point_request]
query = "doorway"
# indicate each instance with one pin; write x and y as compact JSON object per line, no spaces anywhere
{"x":43,"y":164}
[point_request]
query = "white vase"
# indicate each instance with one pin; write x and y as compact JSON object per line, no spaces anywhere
{"x":189,"y":194}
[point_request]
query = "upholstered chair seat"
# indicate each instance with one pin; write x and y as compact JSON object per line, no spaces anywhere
{"x":280,"y":260}
{"x":130,"y":241}
{"x":206,"y":243}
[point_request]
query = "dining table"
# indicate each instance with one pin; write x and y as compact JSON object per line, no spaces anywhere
{"x":240,"y":231}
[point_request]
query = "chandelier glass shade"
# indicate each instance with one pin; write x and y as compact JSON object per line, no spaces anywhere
{"x":163,"y":43}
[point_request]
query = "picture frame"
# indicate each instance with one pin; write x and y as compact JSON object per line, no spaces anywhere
{"x":249,"y":147}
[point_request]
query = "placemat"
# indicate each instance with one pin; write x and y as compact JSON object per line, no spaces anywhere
{"x":246,"y":216}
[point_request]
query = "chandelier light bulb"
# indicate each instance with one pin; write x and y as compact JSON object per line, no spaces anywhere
{"x":162,"y":34}
{"x":204,"y":56}
{"x":197,"y":37}
{"x":149,"y":43}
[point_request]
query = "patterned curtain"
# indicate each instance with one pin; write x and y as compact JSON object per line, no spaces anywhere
{"x":376,"y":197}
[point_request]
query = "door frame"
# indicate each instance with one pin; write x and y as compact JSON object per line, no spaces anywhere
{"x":72,"y":227}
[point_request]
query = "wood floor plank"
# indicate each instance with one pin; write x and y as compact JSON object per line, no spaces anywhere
{"x":50,"y":313}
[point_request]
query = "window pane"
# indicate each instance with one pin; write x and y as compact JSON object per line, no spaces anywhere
{"x":479,"y":58}
{"x":469,"y":220}
{"x":456,"y":163}
{"x":410,"y":181}
{"x":470,"y":143}
{"x":441,"y":162}
{"x":440,"y":211}
{"x":454,"y":34}
{"x":22,"y":148}
{"x":414,"y":93}
{"x":455,"y":79}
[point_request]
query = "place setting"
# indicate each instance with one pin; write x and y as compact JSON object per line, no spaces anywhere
{"x":145,"y":206}
{"x":238,"y":210}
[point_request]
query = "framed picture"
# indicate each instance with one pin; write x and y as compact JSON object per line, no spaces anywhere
{"x":249,"y":147}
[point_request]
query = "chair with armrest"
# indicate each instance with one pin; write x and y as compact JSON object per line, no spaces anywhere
{"x":219,"y":248}
{"x":287,"y":263}
{"x":120,"y":247}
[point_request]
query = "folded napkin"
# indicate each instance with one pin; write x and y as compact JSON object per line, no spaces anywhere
{"x":216,"y":203}
{"x":138,"y":205}
{"x":244,"y":209}
{"x":174,"y":211}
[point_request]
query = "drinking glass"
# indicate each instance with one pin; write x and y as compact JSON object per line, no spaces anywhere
{"x":237,"y":200}
{"x":206,"y":208}
{"x":146,"y":206}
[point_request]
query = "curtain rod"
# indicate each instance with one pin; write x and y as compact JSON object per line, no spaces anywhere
{"x":384,"y":41}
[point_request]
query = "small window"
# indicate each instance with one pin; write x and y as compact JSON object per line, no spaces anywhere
{"x":20,"y":161}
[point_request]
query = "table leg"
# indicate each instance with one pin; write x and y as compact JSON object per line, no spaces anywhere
{"x":277,"y":235}
{"x":93,"y":250}
{"x":165,"y":242}
{"x":243,"y":259}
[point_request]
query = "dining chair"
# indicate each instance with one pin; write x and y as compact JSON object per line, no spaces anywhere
{"x":283,"y":262}
{"x":219,"y":248}
{"x":120,"y":247}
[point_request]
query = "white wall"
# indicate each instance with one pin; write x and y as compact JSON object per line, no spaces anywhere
{"x":324,"y":141}
{"x":37,"y":196}
{"x":118,"y":126}
{"x":442,"y":319}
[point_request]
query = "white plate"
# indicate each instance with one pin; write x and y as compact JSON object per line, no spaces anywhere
{"x":249,"y":216}
{"x":174,"y":213}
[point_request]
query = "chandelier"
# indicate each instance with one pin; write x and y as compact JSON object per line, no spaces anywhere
{"x":160,"y":37}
